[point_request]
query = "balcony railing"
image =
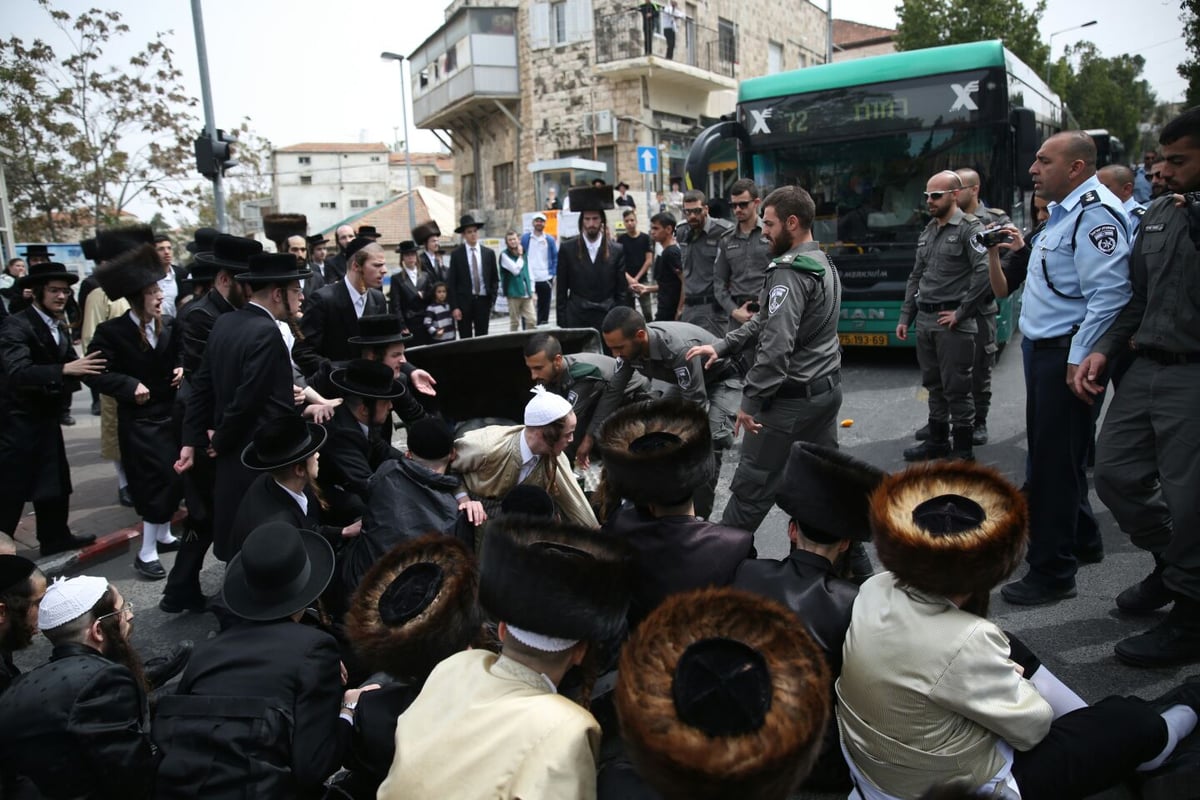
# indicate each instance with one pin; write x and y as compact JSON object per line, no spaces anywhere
{"x":621,"y":36}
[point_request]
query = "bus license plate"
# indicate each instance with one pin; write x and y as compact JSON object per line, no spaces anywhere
{"x":863,"y":339}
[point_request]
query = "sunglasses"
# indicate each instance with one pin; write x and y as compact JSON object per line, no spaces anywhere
{"x":939,"y":195}
{"x":740,"y":204}
{"x":694,"y":212}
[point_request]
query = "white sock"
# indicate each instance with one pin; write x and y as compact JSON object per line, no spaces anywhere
{"x":163,"y":535}
{"x":1060,"y":696}
{"x":1181,"y":721}
{"x":122,"y":481}
{"x":149,"y":551}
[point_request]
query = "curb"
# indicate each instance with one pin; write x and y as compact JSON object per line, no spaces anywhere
{"x":105,"y":548}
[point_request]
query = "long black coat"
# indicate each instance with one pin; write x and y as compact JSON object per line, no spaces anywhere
{"x":284,"y":674}
{"x":348,"y":460}
{"x":335,"y":268}
{"x":146,"y":432}
{"x":588,"y":289}
{"x":33,"y":460}
{"x":432,"y":266}
{"x":244,"y":380}
{"x":329,"y":320}
{"x":195,"y":325}
{"x":78,"y":727}
{"x":460,"y":277}
{"x":408,"y":301}
{"x":266,"y":501}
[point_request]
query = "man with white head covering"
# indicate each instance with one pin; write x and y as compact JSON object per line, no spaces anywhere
{"x":78,"y":726}
{"x":494,"y":459}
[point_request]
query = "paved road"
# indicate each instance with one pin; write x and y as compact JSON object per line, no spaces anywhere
{"x":882,"y":396}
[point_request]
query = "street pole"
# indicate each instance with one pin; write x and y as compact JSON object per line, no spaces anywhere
{"x":412,"y":208}
{"x":1050,"y":44}
{"x":828,"y":31}
{"x":210,"y":124}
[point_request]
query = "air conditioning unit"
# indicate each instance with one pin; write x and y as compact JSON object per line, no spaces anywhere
{"x":600,"y":123}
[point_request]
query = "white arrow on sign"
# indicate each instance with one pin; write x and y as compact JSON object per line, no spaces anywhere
{"x":647,"y":161}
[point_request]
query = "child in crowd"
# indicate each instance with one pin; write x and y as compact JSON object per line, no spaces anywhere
{"x":439,"y":320}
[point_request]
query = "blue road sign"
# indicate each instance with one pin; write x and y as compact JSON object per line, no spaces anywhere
{"x":647,"y":158}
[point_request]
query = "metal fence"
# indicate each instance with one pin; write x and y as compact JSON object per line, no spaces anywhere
{"x":620,"y":36}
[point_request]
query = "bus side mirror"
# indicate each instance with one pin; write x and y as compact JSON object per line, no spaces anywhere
{"x":1026,"y":142}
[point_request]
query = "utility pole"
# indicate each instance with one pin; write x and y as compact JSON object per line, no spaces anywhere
{"x":210,"y":124}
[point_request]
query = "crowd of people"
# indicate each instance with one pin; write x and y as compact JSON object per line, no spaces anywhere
{"x":463,"y":615}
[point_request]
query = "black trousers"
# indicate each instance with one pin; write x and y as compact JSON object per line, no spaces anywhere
{"x":544,"y":289}
{"x":669,"y":33}
{"x":475,"y":317}
{"x":1059,"y":428}
{"x":51,"y":517}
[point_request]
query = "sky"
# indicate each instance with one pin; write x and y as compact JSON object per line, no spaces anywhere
{"x":309,"y":70}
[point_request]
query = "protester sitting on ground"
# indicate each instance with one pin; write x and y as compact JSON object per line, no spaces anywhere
{"x":78,"y":725}
{"x":260,"y":709}
{"x":22,"y":586}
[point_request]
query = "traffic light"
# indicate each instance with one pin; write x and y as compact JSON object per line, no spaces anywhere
{"x":211,"y":156}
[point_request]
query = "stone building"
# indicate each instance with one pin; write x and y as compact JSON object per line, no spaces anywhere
{"x":510,"y":83}
{"x":853,"y":40}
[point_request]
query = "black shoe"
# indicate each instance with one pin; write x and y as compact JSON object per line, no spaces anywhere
{"x":197,"y":605}
{"x":1147,"y":595}
{"x":160,"y":669}
{"x":152,"y":570}
{"x":71,"y":542}
{"x":1167,"y":644}
{"x":66,"y":419}
{"x":922,"y":433}
{"x":927,"y":450}
{"x":1028,"y":593}
{"x":1090,"y":555}
{"x":124,"y":497}
{"x":96,"y":409}
{"x":980,"y":435}
{"x":169,"y":547}
{"x":1185,"y":694}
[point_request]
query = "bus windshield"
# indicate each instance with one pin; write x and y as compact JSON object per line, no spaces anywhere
{"x":868,"y":191}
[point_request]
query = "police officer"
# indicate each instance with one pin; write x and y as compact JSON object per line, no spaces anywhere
{"x":700,"y":241}
{"x":1077,"y":283}
{"x":742,"y":259}
{"x":793,"y":390}
{"x":1147,"y":471}
{"x":581,"y":378}
{"x":1119,"y":180}
{"x":944,"y":294}
{"x":659,"y":350}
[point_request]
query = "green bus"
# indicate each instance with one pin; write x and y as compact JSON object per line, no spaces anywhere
{"x":864,"y":136}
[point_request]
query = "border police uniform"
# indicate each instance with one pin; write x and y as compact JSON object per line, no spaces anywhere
{"x":1077,"y":283}
{"x":740,"y":270}
{"x":985,"y":339}
{"x":793,"y":387}
{"x":700,"y":306}
{"x":584,"y":378}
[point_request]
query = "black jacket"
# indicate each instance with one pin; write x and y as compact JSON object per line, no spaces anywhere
{"x":408,"y":302}
{"x":78,"y":728}
{"x":312,"y":283}
{"x":329,"y":320}
{"x":460,"y":276}
{"x":406,"y":406}
{"x":33,"y":460}
{"x":676,"y":554}
{"x":587,"y":290}
{"x":348,"y":460}
{"x":335,"y":268}
{"x":195,"y":324}
{"x":256,"y":715}
{"x":266,"y":501}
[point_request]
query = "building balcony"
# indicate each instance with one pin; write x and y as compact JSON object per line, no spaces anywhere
{"x":466,"y":68}
{"x":705,"y":60}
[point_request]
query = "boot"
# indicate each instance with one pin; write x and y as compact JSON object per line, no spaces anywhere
{"x":936,"y":446}
{"x":922,"y":433}
{"x":963,"y":438}
{"x":1174,"y":641}
{"x":1147,"y":595}
{"x":980,"y":436}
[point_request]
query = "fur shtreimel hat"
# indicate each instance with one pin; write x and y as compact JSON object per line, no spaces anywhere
{"x":949,"y":528}
{"x":129,"y":273}
{"x":554,"y":579}
{"x":112,"y":242}
{"x":828,"y":493}
{"x":720,"y":693}
{"x":657,"y":452}
{"x":422,"y":232}
{"x":280,"y":227}
{"x":417,"y":605}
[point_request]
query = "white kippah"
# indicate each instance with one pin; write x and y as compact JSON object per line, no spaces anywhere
{"x":545,"y":407}
{"x":68,"y":599}
{"x":538,"y":641}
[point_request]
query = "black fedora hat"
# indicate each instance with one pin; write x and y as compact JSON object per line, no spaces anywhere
{"x":267,"y":268}
{"x":467,"y":221}
{"x":37,"y":251}
{"x":376,"y":329}
{"x":44,"y":272}
{"x":622,"y":185}
{"x":281,"y":441}
{"x":367,"y":232}
{"x":356,"y":244}
{"x":279,"y":571}
{"x":591,"y":198}
{"x":365,"y":378}
{"x":828,"y":493}
{"x":202,"y":240}
{"x":230,"y":253}
{"x":13,"y":570}
{"x":406,"y":247}
{"x":317,"y":239}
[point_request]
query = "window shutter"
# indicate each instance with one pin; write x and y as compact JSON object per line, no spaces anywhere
{"x":579,"y":20}
{"x":539,"y":25}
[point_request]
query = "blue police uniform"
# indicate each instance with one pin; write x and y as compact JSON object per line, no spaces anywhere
{"x":1135,"y":211}
{"x":1077,"y":283}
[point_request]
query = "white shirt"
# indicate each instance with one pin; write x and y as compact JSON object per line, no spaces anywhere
{"x":357,"y":299}
{"x":669,"y":15}
{"x":170,"y":290}
{"x":412,"y":274}
{"x":151,"y":335}
{"x":301,"y":499}
{"x":51,"y":323}
{"x":593,"y":247}
{"x":538,"y":257}
{"x":529,"y":459}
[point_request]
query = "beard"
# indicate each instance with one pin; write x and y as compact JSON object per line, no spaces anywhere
{"x":18,"y":636}
{"x":119,"y":649}
{"x":781,"y":243}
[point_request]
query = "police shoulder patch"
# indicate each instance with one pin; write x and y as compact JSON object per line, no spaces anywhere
{"x":684,"y":376}
{"x":1104,"y":238}
{"x":572,"y":397}
{"x":775,"y":298}
{"x":1138,"y":211}
{"x":977,"y":245}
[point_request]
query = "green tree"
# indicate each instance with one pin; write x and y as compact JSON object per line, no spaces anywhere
{"x":1108,"y":92}
{"x":929,"y":23}
{"x":91,"y":137}
{"x":1190,"y":69}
